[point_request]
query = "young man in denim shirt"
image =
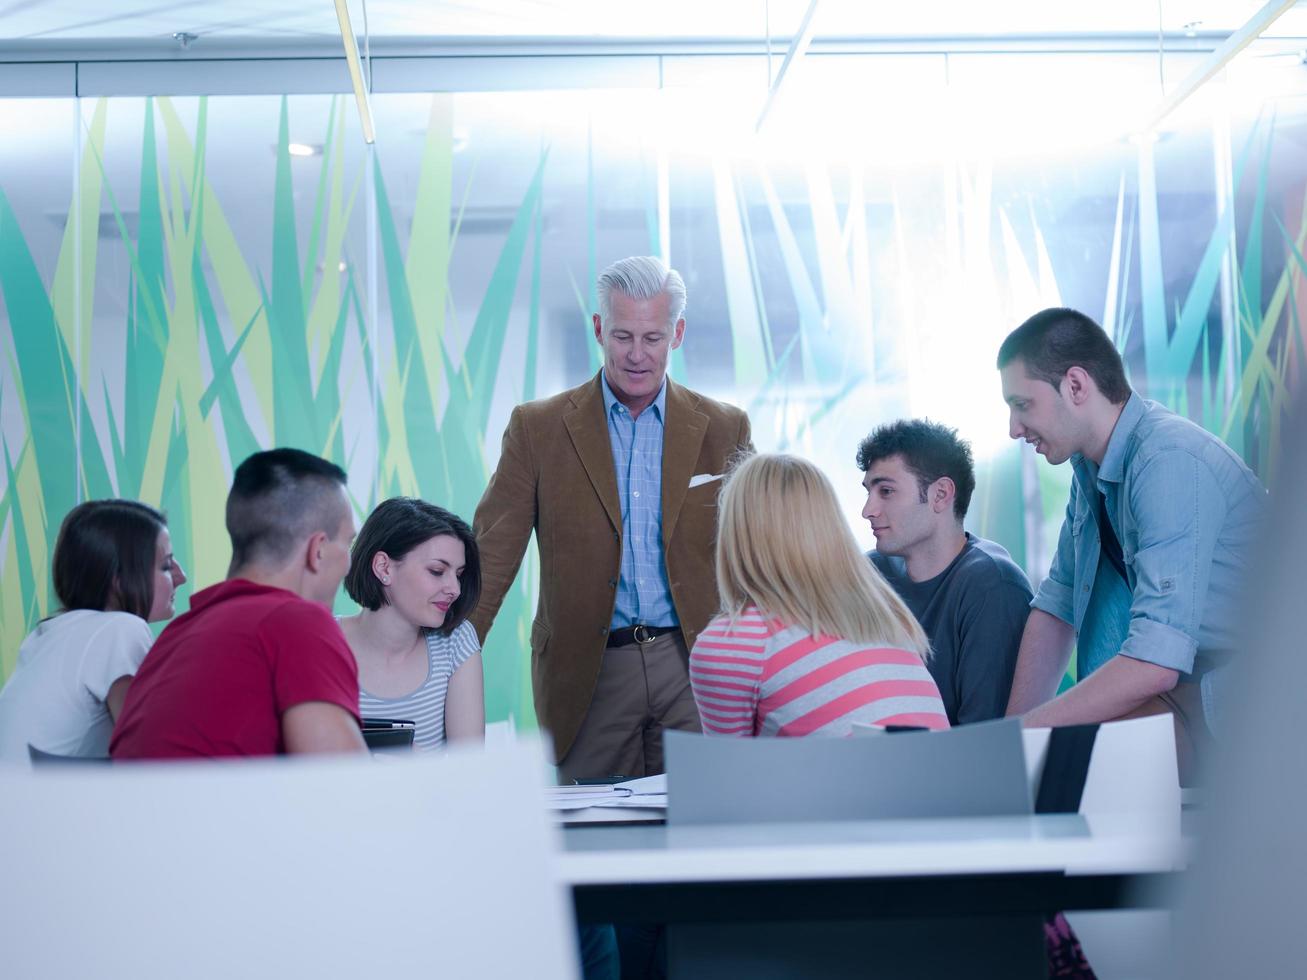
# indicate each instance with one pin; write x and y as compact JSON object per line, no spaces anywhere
{"x":1154,"y":549}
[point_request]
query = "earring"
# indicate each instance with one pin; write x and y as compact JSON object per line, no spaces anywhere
{"x":385,"y":581}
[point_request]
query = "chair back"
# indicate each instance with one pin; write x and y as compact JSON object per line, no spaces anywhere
{"x":333,"y":867}
{"x":1132,"y":768}
{"x":972,"y":771}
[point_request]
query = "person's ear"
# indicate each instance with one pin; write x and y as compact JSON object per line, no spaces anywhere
{"x":313,"y":551}
{"x":599,"y":329}
{"x":381,"y":566}
{"x":1078,"y":385}
{"x":941,"y":495}
{"x":678,"y":333}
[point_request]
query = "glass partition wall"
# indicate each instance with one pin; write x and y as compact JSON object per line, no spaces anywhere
{"x":184,"y":280}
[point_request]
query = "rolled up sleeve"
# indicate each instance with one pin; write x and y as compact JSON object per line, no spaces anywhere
{"x":1178,"y":507}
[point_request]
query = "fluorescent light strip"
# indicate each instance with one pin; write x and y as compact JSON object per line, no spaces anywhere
{"x":355,"y":71}
{"x":1220,"y":57}
{"x":798,"y":47}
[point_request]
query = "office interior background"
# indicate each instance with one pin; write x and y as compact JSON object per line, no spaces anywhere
{"x":200,"y":255}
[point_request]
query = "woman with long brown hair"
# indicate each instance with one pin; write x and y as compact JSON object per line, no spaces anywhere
{"x":114,"y":572}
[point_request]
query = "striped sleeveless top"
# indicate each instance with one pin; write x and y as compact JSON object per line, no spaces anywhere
{"x":759,"y":677}
{"x":425,"y":707}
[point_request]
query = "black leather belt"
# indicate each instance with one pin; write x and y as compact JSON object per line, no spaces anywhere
{"x":637,"y":634}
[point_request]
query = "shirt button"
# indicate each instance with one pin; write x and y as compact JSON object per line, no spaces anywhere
{"x":635,"y":493}
{"x":1085,"y":589}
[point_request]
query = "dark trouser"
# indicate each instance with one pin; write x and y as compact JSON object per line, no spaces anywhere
{"x":598,"y":949}
{"x":643,"y":688}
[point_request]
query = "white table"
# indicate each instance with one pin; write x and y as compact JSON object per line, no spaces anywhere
{"x":748,"y":899}
{"x":1063,"y":843}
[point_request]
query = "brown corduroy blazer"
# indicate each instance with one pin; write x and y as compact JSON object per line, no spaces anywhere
{"x":556,"y":477}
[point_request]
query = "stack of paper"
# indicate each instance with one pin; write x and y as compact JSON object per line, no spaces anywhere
{"x":649,"y":792}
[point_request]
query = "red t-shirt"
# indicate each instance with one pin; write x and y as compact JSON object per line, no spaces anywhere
{"x":218,"y":679}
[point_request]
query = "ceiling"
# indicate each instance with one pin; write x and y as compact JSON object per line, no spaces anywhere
{"x":126,"y":21}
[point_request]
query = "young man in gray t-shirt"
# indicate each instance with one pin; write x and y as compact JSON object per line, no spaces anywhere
{"x":968,"y":594}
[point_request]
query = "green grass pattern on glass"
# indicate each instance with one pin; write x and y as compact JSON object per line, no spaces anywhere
{"x":223,"y":356}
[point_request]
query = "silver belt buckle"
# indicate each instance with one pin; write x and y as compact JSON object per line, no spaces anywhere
{"x":641,"y":634}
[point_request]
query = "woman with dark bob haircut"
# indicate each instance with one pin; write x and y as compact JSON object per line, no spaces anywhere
{"x":416,"y":572}
{"x":114,"y":571}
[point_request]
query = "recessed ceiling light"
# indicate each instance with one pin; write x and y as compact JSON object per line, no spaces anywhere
{"x":303,"y":150}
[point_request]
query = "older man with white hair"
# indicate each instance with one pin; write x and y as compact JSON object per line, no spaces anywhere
{"x":619,"y":480}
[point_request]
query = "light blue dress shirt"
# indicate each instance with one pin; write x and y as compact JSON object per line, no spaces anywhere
{"x":1186,"y":511}
{"x":643,"y":595}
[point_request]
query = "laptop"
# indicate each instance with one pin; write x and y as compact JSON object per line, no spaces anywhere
{"x":972,"y":771}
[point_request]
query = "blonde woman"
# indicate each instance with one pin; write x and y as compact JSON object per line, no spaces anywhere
{"x":810,"y":638}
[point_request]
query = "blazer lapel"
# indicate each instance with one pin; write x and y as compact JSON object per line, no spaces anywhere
{"x":683,"y":432}
{"x":588,"y":430}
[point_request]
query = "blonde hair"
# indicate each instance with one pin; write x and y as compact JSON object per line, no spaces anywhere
{"x":783,"y":546}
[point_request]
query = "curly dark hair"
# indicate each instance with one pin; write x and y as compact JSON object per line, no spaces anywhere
{"x":930,"y":450}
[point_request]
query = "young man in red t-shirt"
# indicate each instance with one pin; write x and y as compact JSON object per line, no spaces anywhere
{"x":258,"y":665}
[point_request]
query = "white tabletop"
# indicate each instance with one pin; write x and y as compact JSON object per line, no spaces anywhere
{"x":1068,"y":843}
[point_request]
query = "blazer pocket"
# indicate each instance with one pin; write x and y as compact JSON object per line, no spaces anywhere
{"x":539,"y":637}
{"x":704,"y":494}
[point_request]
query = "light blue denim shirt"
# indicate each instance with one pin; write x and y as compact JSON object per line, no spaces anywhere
{"x":1186,"y":511}
{"x":643,"y":595}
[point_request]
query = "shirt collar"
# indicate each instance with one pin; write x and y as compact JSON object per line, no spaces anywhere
{"x":610,"y":399}
{"x":1112,"y":469}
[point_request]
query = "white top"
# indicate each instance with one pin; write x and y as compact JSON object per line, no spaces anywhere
{"x":426,"y":706}
{"x":54,"y":699}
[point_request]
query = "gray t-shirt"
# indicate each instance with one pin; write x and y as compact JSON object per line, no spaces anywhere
{"x":425,"y":707}
{"x":974,"y":613}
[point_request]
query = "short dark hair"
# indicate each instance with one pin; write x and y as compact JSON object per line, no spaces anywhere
{"x":278,"y":497}
{"x":399,"y":525}
{"x":105,"y":554}
{"x":1055,"y":340}
{"x":929,"y":450}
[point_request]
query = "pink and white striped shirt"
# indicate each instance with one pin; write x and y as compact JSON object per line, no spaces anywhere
{"x":760,"y":677}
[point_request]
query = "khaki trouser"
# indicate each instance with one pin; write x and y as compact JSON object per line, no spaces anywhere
{"x":642,"y":689}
